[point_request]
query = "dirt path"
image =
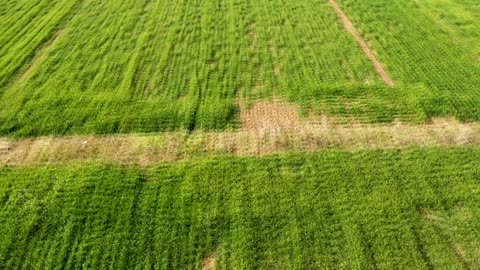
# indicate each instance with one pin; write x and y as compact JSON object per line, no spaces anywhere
{"x":267,"y":127}
{"x":351,"y":29}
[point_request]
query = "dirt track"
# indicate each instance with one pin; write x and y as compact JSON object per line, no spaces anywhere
{"x":267,"y":127}
{"x":369,"y":53}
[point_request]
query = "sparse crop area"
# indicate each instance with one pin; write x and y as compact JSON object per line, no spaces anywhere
{"x":239,"y":134}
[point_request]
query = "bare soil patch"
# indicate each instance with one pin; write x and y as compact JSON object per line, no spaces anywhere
{"x":267,"y":117}
{"x":208,"y":263}
{"x":368,"y":52}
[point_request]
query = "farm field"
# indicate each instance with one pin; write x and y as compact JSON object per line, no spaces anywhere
{"x":415,"y":209}
{"x":96,"y":67}
{"x":239,"y":134}
{"x":431,"y":43}
{"x":261,"y":138}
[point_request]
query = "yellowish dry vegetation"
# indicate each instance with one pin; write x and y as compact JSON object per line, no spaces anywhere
{"x":266,"y":127}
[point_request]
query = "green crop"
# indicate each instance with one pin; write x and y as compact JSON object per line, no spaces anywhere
{"x":411,"y":209}
{"x":117,"y":66}
{"x":434,"y":44}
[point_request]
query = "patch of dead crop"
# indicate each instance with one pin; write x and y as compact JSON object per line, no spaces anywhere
{"x":459,"y":252}
{"x":270,"y":117}
{"x":208,"y":263}
{"x":429,"y":215}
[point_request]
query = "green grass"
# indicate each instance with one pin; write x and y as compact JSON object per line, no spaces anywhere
{"x":118,"y":66}
{"x":434,"y":44}
{"x":25,"y":25}
{"x":122,"y":66}
{"x":411,"y":209}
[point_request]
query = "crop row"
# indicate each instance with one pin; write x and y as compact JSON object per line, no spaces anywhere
{"x":24,"y":27}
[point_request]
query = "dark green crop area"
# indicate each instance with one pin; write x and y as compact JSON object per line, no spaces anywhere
{"x":411,"y":209}
{"x":118,"y":66}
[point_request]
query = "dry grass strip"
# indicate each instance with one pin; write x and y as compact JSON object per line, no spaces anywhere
{"x":267,"y":127}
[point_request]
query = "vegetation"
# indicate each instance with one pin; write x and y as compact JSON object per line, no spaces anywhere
{"x":122,"y":66}
{"x":414,"y":209}
{"x":118,"y":66}
{"x":24,"y":26}
{"x":433,"y":44}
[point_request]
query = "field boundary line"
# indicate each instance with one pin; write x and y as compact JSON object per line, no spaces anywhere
{"x":348,"y":25}
{"x":267,"y":127}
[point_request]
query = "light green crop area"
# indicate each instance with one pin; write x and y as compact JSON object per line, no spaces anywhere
{"x":118,"y":66}
{"x":411,"y":209}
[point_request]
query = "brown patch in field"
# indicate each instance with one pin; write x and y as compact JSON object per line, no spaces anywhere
{"x":208,"y":263}
{"x":429,"y":215}
{"x":454,"y":131}
{"x":368,"y":52}
{"x":270,"y":121}
{"x":39,"y":56}
{"x":5,"y":147}
{"x":269,"y":117}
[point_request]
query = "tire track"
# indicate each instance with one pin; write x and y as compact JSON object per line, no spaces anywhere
{"x":368,"y":52}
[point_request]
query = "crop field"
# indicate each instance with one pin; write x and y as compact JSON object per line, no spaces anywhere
{"x":239,"y":134}
{"x":412,"y":209}
{"x":431,"y":43}
{"x":117,"y":66}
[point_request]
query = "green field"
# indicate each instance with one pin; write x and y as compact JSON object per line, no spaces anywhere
{"x":434,"y":44}
{"x":117,"y":66}
{"x":239,"y":134}
{"x":412,"y":209}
